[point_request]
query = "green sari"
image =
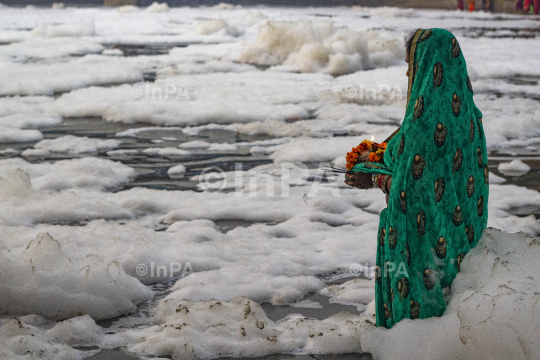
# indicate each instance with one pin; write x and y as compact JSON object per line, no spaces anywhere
{"x":437,"y":208}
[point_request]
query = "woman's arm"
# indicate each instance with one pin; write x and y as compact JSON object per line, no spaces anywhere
{"x":388,"y":185}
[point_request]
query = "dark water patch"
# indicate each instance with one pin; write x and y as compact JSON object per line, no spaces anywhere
{"x":149,"y":76}
{"x":530,"y":180}
{"x":118,"y":354}
{"x":227,"y":225}
{"x":152,"y":168}
{"x":340,"y":134}
{"x":520,"y":80}
{"x":81,"y":223}
{"x":531,"y":80}
{"x":363,"y":356}
{"x":278,"y":312}
{"x":261,"y":67}
{"x":322,"y":15}
{"x":227,"y":162}
{"x":326,"y":309}
{"x":511,"y":95}
{"x":94,"y":127}
{"x":150,"y":48}
{"x":152,"y":171}
{"x":525,"y":211}
{"x":141,"y":317}
{"x":499,"y":33}
{"x":112,"y":354}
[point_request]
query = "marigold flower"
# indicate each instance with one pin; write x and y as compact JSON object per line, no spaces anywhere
{"x":374,"y":156}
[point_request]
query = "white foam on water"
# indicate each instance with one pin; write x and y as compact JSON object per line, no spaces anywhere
{"x":357,"y":292}
{"x":491,"y":314}
{"x":157,"y":7}
{"x":33,"y":79}
{"x":77,"y":331}
{"x":317,"y":46}
{"x":21,"y":339}
{"x":74,"y":29}
{"x":195,"y":99}
{"x":165,"y":151}
{"x":74,"y":145}
{"x":87,"y":172}
{"x":177,"y":171}
{"x":514,"y":168}
{"x":49,"y":48}
{"x":491,"y":274}
{"x":10,"y":135}
{"x":42,"y":280}
{"x":495,"y":179}
{"x":29,"y":120}
{"x":288,"y":242}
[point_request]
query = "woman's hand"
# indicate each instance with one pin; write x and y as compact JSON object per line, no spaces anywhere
{"x":359,"y":180}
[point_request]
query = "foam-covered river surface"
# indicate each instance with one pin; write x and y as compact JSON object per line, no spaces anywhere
{"x":176,"y":155}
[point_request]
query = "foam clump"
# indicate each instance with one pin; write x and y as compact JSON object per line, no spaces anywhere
{"x":42,"y":280}
{"x":77,"y":331}
{"x":157,"y":7}
{"x":274,"y":127}
{"x":17,"y":185}
{"x":177,"y":171}
{"x":492,"y":313}
{"x":21,"y":204}
{"x":127,"y":9}
{"x":357,"y":292}
{"x":211,"y":26}
{"x":74,"y":145}
{"x":223,"y":6}
{"x":503,"y":199}
{"x":44,"y":48}
{"x":73,"y":29}
{"x":317,"y":46}
{"x":87,"y":172}
{"x":55,"y":77}
{"x":240,"y":328}
{"x":28,"y":119}
{"x":393,"y":12}
{"x":21,"y":341}
{"x":165,"y":151}
{"x":514,"y":168}
{"x":13,"y":135}
{"x":198,"y":99}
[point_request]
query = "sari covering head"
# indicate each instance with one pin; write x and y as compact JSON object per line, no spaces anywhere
{"x":437,"y":208}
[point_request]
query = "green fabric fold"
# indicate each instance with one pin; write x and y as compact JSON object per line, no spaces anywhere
{"x":371,"y":168}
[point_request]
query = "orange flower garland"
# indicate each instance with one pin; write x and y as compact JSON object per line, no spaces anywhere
{"x":374,"y":156}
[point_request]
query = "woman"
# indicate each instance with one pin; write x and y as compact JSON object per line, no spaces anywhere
{"x":435,"y":177}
